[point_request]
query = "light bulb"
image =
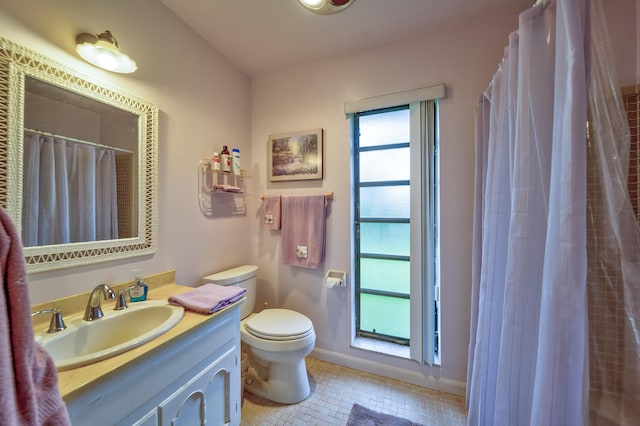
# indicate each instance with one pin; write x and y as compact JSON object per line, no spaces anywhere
{"x":106,"y":60}
{"x":311,"y":3}
{"x":102,"y":51}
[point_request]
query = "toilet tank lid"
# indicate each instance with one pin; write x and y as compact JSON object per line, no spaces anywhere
{"x":232,"y":276}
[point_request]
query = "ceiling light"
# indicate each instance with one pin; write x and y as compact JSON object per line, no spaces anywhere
{"x":102,"y":51}
{"x":326,"y":7}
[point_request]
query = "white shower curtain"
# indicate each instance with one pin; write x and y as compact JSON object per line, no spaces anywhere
{"x":69,"y":192}
{"x":539,"y":176}
{"x":527,"y":358}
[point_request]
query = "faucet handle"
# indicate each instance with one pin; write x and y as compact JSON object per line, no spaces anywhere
{"x":121,"y":303}
{"x":57,"y":323}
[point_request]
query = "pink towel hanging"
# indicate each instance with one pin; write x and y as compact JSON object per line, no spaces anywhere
{"x":29,"y":392}
{"x":271,"y":207}
{"x":303,"y":230}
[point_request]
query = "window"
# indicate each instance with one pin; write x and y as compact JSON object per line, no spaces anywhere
{"x":382,"y":227}
{"x":395,"y":227}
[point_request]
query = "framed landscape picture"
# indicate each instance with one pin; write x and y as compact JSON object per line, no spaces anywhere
{"x":295,"y":156}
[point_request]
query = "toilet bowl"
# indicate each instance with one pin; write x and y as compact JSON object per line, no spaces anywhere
{"x":277,"y":340}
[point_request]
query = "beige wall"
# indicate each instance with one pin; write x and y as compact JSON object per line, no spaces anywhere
{"x":623,"y":21}
{"x":204,"y":102}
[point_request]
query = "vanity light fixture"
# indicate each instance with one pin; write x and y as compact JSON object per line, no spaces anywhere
{"x":102,"y":51}
{"x":326,"y":7}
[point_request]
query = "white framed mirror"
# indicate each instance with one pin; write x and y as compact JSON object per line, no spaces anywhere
{"x":78,"y":163}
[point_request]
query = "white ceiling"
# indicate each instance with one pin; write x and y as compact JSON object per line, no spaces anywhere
{"x":260,"y":36}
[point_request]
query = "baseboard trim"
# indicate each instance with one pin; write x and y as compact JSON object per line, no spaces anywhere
{"x":391,"y":372}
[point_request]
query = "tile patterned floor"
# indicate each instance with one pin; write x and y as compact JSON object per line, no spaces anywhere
{"x":334,"y":389}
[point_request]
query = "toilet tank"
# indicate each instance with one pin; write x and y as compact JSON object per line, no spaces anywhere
{"x":242,"y":276}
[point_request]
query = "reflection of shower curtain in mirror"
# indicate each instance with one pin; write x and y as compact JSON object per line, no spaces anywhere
{"x":69,"y":192}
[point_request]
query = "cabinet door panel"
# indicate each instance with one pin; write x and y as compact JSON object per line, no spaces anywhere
{"x":205,"y":399}
{"x":150,"y":419}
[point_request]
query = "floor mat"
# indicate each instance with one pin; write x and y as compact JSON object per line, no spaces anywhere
{"x":362,"y":416}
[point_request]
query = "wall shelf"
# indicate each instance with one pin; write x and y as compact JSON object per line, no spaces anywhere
{"x":220,"y":194}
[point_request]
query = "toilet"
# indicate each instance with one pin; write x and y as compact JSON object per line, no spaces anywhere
{"x":278,"y":340}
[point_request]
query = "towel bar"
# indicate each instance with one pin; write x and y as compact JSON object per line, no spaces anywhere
{"x":327,"y":195}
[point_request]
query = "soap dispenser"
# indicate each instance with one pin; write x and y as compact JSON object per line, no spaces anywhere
{"x":138,"y":293}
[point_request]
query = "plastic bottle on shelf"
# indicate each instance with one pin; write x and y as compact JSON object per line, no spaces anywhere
{"x":225,"y":159}
{"x":216,"y":162}
{"x":236,"y":161}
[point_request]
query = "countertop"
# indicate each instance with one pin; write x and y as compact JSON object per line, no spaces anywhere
{"x":74,"y":381}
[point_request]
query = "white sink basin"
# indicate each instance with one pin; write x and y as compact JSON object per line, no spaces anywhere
{"x":84,"y":342}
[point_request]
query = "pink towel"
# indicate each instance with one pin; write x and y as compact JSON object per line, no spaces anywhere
{"x":271,"y":206}
{"x":29,"y":392}
{"x":227,"y":188}
{"x":208,"y":298}
{"x":303,"y":230}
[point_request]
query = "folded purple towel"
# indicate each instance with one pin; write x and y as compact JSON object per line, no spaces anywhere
{"x":208,"y":298}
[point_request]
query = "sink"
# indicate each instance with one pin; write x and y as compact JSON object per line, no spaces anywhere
{"x":84,"y":342}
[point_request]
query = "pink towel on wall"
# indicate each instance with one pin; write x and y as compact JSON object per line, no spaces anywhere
{"x":29,"y":392}
{"x":208,"y":298}
{"x":303,"y":230}
{"x":271,"y":207}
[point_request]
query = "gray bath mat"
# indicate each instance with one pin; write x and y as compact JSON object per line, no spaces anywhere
{"x":362,"y":416}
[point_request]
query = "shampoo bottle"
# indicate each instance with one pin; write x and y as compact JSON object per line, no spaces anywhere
{"x":216,"y":162}
{"x":236,"y":161}
{"x":225,"y":159}
{"x":138,"y":293}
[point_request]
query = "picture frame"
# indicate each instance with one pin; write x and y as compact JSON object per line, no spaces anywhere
{"x":295,"y":155}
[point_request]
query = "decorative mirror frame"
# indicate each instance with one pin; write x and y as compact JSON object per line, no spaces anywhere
{"x":17,"y":63}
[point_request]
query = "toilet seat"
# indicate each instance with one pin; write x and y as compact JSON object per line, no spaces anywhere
{"x":279,"y":325}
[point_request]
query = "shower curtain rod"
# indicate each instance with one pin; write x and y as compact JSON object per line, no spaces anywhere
{"x":97,"y":145}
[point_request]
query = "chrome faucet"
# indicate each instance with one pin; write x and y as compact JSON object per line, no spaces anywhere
{"x":56,"y":324}
{"x":94,"y":310}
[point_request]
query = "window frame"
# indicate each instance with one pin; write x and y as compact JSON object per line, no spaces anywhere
{"x":424,"y":326}
{"x":358,"y":220}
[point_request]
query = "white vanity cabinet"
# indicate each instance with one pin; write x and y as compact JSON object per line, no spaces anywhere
{"x":193,"y":379}
{"x":203,"y":400}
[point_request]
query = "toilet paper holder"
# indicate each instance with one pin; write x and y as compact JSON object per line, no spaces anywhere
{"x":333,"y":276}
